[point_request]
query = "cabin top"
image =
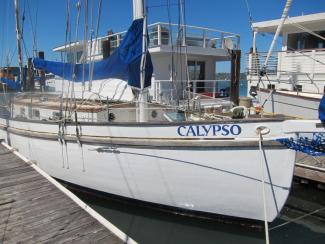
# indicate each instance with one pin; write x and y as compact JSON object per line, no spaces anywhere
{"x":310,"y":21}
{"x":162,"y":36}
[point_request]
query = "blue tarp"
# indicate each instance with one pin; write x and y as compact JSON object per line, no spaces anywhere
{"x":10,"y":83}
{"x":124,"y":63}
{"x":321,"y":109}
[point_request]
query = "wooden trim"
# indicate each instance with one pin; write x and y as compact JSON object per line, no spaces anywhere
{"x":155,"y":123}
{"x":161,"y":143}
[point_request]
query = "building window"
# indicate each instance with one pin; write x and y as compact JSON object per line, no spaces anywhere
{"x":299,"y":41}
{"x":196,"y":70}
{"x":71,"y":56}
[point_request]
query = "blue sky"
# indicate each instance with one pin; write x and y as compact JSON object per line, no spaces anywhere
{"x":229,"y":15}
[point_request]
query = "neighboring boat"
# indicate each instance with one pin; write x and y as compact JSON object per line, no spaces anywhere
{"x":293,"y":81}
{"x":189,"y":157}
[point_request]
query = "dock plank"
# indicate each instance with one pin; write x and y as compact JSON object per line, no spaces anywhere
{"x":310,"y":167}
{"x":32,"y":210}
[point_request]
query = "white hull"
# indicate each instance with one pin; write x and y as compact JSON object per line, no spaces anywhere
{"x":290,"y":104}
{"x":214,"y":179}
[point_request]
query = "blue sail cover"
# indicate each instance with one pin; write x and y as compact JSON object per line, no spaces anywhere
{"x":124,"y":63}
{"x":12,"y":84}
{"x":321,"y":109}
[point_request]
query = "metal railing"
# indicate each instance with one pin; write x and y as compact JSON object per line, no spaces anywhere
{"x":309,"y":62}
{"x":255,"y":61}
{"x":186,"y":35}
{"x":173,"y":34}
{"x":167,"y":91}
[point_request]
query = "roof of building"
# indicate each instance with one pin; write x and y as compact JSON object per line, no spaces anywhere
{"x":310,"y":21}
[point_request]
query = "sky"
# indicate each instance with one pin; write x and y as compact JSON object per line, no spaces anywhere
{"x":46,"y":20}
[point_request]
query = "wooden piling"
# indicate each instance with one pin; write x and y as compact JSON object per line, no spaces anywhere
{"x":235,"y":75}
{"x":42,"y":72}
{"x":30,"y":79}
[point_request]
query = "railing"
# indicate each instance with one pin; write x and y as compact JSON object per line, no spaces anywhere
{"x":173,"y":34}
{"x":165,"y":91}
{"x":180,"y":35}
{"x":255,"y":61}
{"x":40,"y":106}
{"x":311,"y":62}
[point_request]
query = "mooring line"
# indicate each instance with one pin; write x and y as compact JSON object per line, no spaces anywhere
{"x":298,"y":218}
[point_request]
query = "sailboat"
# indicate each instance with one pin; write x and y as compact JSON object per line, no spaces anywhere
{"x":188,"y":161}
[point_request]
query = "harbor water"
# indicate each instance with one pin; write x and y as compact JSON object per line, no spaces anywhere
{"x":152,"y":226}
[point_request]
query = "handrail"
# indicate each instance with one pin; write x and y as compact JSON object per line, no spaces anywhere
{"x":223,"y":34}
{"x":194,"y":27}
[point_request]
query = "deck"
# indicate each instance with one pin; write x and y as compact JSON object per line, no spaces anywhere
{"x":34,"y":210}
{"x":310,"y":168}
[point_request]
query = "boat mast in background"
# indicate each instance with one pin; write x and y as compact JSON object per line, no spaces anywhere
{"x":277,"y":33}
{"x":19,"y":38}
{"x":139,"y":12}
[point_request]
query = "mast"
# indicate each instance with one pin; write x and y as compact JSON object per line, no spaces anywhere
{"x":19,"y":39}
{"x":278,"y":31}
{"x":138,"y":13}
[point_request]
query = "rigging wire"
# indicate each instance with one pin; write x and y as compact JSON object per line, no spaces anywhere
{"x":184,"y":44}
{"x":67,"y":39}
{"x":168,"y":4}
{"x":75,"y":59}
{"x":91,"y":65}
{"x":91,"y":38}
{"x":85,"y":47}
{"x":305,"y":29}
{"x":250,"y":18}
{"x":172,"y":48}
{"x":33,"y":27}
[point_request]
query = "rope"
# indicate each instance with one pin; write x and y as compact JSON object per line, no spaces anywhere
{"x":266,"y":227}
{"x":298,"y":218}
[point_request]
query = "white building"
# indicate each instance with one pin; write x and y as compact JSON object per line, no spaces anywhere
{"x":296,"y":73}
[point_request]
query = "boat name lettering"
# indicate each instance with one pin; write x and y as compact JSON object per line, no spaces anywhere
{"x":209,"y":130}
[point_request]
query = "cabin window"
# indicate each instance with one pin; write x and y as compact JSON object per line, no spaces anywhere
{"x":36,"y":113}
{"x":299,"y":41}
{"x":56,"y":115}
{"x":22,"y":111}
{"x":196,"y":70}
{"x":298,"y":88}
{"x":271,"y":86}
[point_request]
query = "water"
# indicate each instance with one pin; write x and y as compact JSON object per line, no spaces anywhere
{"x":224,"y":84}
{"x":151,"y":226}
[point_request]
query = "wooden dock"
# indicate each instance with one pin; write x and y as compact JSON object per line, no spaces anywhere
{"x":310,"y":168}
{"x":35,"y":209}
